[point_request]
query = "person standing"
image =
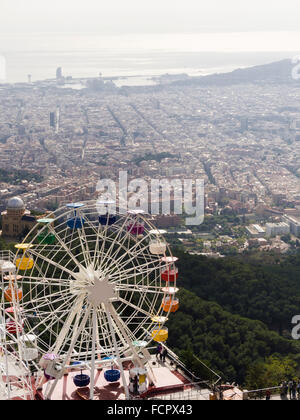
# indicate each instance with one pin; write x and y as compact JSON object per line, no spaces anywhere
{"x":294,"y":390}
{"x":135,"y":384}
{"x":298,"y":389}
{"x":158,"y":351}
{"x":290,"y":385}
{"x":164,"y":355}
{"x":285,"y":390}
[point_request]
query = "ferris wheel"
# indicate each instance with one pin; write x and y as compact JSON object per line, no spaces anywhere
{"x":94,"y":289}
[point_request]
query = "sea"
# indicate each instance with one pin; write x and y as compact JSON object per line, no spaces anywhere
{"x":133,"y":61}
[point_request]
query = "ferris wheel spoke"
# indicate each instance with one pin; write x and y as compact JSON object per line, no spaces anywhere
{"x":126,"y":333}
{"x":134,"y":272}
{"x":139,"y":289}
{"x":104,"y":333}
{"x":58,"y":296}
{"x":97,"y":328}
{"x":52,"y":263}
{"x":39,"y":270}
{"x":100,"y":252}
{"x":96,"y":251}
{"x":75,"y":311}
{"x":115,"y":328}
{"x":109,"y":253}
{"x":103,"y":323}
{"x":134,"y":248}
{"x":139,"y":309}
{"x":41,"y":301}
{"x":84,"y":244}
{"x":40,"y":305}
{"x":133,"y":252}
{"x":146,"y":273}
{"x":49,"y":281}
{"x":47,"y":323}
{"x":115,"y":247}
{"x":72,"y":345}
{"x":126,"y":251}
{"x":94,"y":322}
{"x":145,"y":301}
{"x":65,"y":248}
{"x":110,"y":322}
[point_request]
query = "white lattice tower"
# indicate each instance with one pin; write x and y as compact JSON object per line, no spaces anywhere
{"x":15,"y":376}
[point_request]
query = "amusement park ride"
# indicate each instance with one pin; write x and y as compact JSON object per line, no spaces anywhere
{"x":83,"y":302}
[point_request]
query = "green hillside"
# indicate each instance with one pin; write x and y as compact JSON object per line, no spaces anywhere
{"x":229,"y":344}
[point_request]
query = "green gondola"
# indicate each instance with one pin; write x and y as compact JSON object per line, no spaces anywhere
{"x":45,"y":237}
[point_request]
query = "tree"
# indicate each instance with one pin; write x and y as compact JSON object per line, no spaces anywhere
{"x":270,"y":373}
{"x":286,"y":238}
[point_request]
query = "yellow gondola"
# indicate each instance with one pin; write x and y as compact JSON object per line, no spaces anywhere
{"x":160,"y":335}
{"x":25,"y":262}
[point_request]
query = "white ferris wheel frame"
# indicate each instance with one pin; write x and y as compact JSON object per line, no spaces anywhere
{"x":79,"y":328}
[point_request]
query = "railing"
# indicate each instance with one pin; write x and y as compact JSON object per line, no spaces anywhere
{"x":175,"y":359}
{"x":261,"y":393}
{"x":7,"y":256}
{"x":190,"y":375}
{"x":194,"y":393}
{"x":208,"y":368}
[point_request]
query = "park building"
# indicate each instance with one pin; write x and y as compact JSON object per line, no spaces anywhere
{"x":255,"y":231}
{"x":277,"y":229}
{"x":17,"y":221}
{"x":294,"y":223}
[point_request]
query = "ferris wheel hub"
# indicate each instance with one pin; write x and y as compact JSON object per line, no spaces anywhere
{"x":101,"y":292}
{"x":97,"y":288}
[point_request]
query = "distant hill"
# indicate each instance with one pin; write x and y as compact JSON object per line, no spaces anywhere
{"x":279,"y":72}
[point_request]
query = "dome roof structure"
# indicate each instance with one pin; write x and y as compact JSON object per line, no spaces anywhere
{"x":15,"y":203}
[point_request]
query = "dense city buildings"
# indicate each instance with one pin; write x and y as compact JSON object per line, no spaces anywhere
{"x":241,"y":138}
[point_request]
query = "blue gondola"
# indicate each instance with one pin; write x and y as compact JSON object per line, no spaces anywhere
{"x":112,"y":375}
{"x":81,"y":380}
{"x":75,"y":222}
{"x":75,"y":205}
{"x":107,"y":220}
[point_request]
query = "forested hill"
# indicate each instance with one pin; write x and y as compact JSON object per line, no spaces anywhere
{"x":247,"y":286}
{"x":235,"y":314}
{"x":229,"y":344}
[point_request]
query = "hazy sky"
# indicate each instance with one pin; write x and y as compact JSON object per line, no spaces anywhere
{"x":148,"y":16}
{"x":199,"y":25}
